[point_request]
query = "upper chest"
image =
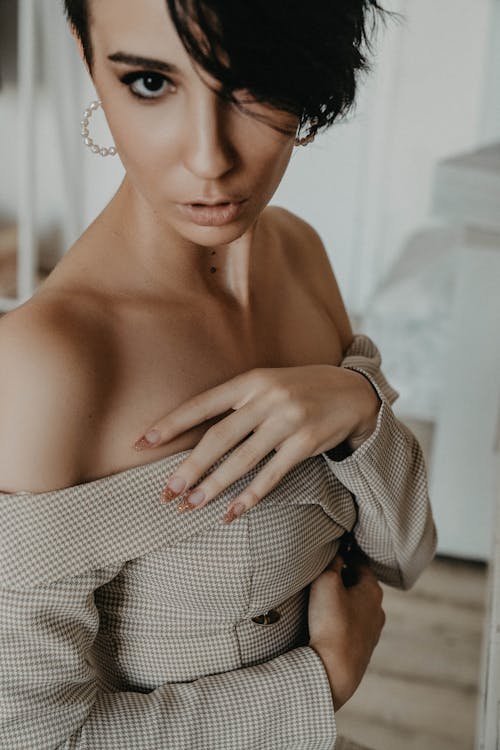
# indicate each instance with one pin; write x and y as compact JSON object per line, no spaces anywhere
{"x":200,"y":341}
{"x":157,"y":365}
{"x":152,"y":359}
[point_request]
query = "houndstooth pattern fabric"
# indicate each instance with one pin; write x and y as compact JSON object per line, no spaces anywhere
{"x":385,"y":475}
{"x":124,"y":624}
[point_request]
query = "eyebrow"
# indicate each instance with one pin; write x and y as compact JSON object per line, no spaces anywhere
{"x":145,"y":62}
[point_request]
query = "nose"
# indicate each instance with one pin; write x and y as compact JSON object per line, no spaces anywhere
{"x":208,"y":152}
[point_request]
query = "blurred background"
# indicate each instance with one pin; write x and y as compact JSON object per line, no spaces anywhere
{"x":406,"y":196}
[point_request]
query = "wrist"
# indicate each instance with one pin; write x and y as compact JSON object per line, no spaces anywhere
{"x":369,"y":407}
{"x":341,"y":687}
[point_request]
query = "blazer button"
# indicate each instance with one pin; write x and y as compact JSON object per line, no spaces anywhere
{"x":267,"y":618}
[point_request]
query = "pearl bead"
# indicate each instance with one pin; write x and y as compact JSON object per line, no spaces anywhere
{"x":85,"y":133}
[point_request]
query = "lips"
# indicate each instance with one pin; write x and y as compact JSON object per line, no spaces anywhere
{"x":208,"y":205}
{"x":216,"y":202}
{"x":213,"y":214}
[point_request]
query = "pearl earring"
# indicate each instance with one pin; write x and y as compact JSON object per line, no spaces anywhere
{"x":111,"y":151}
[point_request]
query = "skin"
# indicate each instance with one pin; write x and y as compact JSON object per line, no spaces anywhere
{"x":154,"y":275}
{"x":155,"y":326}
{"x":345,"y":626}
{"x":196,"y":146}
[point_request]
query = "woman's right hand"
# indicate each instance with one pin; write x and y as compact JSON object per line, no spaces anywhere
{"x":345,"y":626}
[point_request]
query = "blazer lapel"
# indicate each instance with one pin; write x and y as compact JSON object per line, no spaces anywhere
{"x":47,"y":536}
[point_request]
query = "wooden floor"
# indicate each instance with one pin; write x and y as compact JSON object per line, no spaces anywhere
{"x":420,"y":689}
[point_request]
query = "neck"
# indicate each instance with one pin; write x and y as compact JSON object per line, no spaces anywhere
{"x":163,"y":259}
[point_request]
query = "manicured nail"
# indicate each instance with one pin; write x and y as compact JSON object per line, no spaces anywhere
{"x":196,"y":497}
{"x":150,"y":438}
{"x":191,"y":501}
{"x":234,"y":512}
{"x":174,"y":487}
{"x":183,"y":506}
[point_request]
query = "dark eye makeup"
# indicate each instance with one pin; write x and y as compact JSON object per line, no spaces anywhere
{"x":152,"y":82}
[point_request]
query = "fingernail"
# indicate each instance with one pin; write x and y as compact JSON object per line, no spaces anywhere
{"x":150,"y":438}
{"x":234,"y":512}
{"x":183,"y":506}
{"x":196,"y":497}
{"x":174,"y":487}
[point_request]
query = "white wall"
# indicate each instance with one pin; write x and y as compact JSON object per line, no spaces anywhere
{"x":365,"y":185}
{"x":490,"y":121}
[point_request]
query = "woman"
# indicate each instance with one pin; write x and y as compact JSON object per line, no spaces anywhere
{"x":126,"y":623}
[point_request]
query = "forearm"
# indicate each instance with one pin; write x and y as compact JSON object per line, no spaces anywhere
{"x":382,"y":465}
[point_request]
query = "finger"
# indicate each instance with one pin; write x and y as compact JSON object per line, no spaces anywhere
{"x":216,"y":442}
{"x":239,"y":463}
{"x":336,"y":564}
{"x":290,"y":454}
{"x":194,"y":411}
{"x":380,"y":622}
{"x":244,"y":458}
{"x":368,"y":582}
{"x":366,"y":573}
{"x":334,"y":571}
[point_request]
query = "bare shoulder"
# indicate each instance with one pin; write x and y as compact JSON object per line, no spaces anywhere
{"x":47,"y":392}
{"x":309,"y":257}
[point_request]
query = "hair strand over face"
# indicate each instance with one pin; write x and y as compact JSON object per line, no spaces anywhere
{"x":301,"y":58}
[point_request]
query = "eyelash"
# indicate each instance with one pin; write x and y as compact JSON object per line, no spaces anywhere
{"x":130,"y":78}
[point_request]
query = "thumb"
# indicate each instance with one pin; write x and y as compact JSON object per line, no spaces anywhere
{"x":336,"y":563}
{"x":366,"y":576}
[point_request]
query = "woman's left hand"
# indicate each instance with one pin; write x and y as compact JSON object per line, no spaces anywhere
{"x":297,"y":411}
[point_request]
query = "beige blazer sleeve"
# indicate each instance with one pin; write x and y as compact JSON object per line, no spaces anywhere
{"x":387,"y":478}
{"x":60,"y":551}
{"x":49,"y":696}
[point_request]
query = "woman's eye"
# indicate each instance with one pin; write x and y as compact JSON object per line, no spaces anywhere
{"x":146,"y":85}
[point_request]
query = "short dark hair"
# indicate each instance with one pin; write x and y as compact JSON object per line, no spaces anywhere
{"x":300,"y":56}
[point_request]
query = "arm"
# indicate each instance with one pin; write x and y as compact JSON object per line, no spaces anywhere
{"x":48,"y":396}
{"x":386,"y":474}
{"x":51,"y":696}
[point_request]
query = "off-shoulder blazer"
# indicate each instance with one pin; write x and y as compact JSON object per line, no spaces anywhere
{"x":125,"y":625}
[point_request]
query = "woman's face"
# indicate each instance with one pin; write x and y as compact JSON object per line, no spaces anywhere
{"x":179,"y":142}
